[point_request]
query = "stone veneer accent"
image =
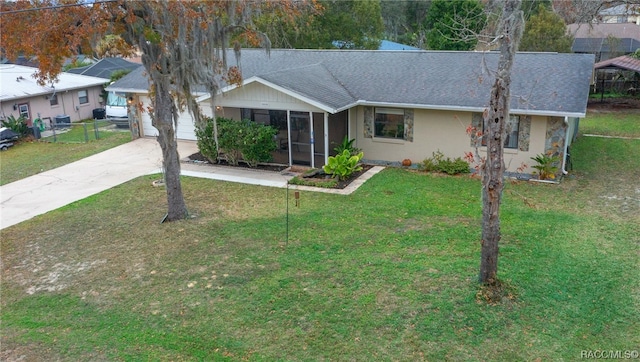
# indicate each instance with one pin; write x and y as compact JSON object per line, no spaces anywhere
{"x":524,"y":133}
{"x":368,"y":122}
{"x":476,"y":122}
{"x":408,"y":125}
{"x":555,"y":137}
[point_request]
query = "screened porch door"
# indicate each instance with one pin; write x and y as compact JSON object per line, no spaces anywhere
{"x":300,"y":138}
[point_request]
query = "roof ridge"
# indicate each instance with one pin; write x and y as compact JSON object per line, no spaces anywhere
{"x":335,"y":78}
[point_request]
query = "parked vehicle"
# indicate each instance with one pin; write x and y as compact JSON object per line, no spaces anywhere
{"x":116,"y":109}
{"x":7,"y":138}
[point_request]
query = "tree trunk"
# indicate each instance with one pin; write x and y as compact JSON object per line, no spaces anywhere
{"x":494,"y":121}
{"x":163,"y":121}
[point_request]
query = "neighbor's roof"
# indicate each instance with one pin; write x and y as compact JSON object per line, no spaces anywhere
{"x":624,"y":62}
{"x":604,"y":30}
{"x":392,"y":45}
{"x":105,"y":67}
{"x":335,"y":80}
{"x":604,"y":45}
{"x":134,"y":82}
{"x":16,"y":82}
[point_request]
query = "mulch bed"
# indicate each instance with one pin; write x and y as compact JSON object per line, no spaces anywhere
{"x":342,"y":183}
{"x":198,"y":158}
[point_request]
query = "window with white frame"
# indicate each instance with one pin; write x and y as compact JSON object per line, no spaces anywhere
{"x":53,"y":100}
{"x":389,"y":123}
{"x":23,"y":109}
{"x":83,"y":97}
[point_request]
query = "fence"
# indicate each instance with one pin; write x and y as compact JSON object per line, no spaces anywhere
{"x":80,"y":132}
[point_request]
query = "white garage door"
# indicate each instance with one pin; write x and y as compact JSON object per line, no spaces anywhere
{"x":185,"y":131}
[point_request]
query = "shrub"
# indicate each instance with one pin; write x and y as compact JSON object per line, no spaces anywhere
{"x":257,"y":143}
{"x":17,"y":125}
{"x":439,"y":163}
{"x":253,"y":142}
{"x":453,"y":167}
{"x":343,"y":165}
{"x":347,"y":144}
{"x":230,"y":139}
{"x":206,"y":141}
{"x":546,"y":166}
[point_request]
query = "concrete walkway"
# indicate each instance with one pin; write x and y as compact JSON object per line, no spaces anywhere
{"x":35,"y":195}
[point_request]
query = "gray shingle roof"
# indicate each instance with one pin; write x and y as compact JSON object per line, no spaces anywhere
{"x":598,"y":45}
{"x":542,"y":83}
{"x":134,"y":82}
{"x":105,"y":67}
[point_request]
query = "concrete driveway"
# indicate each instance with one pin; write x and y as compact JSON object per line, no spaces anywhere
{"x":49,"y":190}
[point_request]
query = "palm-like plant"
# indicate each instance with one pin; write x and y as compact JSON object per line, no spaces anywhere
{"x":546,"y":166}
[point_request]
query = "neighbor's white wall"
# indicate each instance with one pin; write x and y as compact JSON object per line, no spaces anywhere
{"x":39,"y":106}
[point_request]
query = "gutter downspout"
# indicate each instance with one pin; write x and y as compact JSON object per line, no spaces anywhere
{"x":566,"y":146}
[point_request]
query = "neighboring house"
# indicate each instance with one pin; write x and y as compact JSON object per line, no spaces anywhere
{"x":105,"y":67}
{"x":625,"y":13}
{"x":115,"y":105}
{"x":392,"y":45}
{"x":395,"y":104}
{"x":606,"y":41}
{"x":73,"y":95}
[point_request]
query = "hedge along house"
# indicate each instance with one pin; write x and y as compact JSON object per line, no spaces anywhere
{"x":396,"y":105}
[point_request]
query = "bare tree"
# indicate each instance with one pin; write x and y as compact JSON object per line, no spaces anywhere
{"x":511,"y":27}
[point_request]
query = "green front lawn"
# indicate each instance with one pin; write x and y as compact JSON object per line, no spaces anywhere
{"x":388,"y":273}
{"x":626,"y":124}
{"x":29,"y":158}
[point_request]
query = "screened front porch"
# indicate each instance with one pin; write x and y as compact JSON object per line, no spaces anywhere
{"x":304,"y":138}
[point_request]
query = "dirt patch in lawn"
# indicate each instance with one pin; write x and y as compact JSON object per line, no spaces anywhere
{"x":626,"y":105}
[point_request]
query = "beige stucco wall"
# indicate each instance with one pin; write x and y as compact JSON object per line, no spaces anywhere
{"x":39,"y":106}
{"x":444,"y":131}
{"x":258,"y":96}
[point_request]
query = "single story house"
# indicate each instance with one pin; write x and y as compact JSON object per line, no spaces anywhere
{"x":395,"y":104}
{"x":624,"y":13}
{"x":73,"y":95}
{"x":605,"y":40}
